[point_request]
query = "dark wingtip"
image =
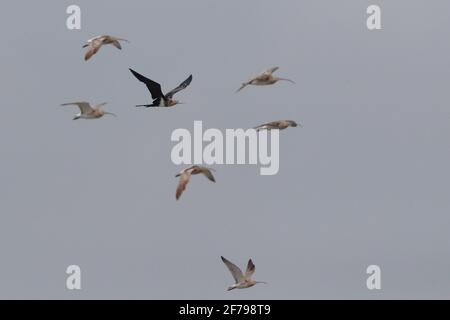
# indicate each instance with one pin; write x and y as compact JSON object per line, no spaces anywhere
{"x":132,"y":71}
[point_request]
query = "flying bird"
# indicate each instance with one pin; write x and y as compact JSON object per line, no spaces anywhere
{"x":160,"y":99}
{"x":96,"y":43}
{"x":241,"y":281}
{"x":88,"y":112}
{"x":264,"y":79}
{"x":186,"y":174}
{"x":281,"y":124}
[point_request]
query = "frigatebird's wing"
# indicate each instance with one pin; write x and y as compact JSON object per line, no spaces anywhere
{"x":182,"y":86}
{"x":153,"y":87}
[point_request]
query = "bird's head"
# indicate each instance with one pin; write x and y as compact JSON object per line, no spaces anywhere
{"x":175,"y":102}
{"x":102,"y":111}
{"x":295,"y":124}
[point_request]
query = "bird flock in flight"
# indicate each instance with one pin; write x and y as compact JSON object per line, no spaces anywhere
{"x":159,"y":99}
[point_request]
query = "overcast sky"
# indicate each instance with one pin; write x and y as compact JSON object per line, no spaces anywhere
{"x":366,"y":181}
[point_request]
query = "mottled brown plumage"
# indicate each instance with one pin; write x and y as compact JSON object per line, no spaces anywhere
{"x":280,"y":124}
{"x":263,"y":79}
{"x":241,"y":281}
{"x":88,"y":112}
{"x":186,"y":174}
{"x":96,"y":43}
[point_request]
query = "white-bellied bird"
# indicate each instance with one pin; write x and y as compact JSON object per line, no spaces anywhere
{"x":88,"y":112}
{"x":96,"y":43}
{"x":241,"y":281}
{"x":264,"y":79}
{"x":280,"y":124}
{"x":186,"y":174}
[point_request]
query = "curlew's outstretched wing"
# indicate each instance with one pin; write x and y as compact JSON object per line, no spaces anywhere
{"x":184,"y":180}
{"x":250,"y":269}
{"x":243,"y":86}
{"x":266,"y":75}
{"x":207,"y":173}
{"x":117,"y":44}
{"x":115,"y":41}
{"x":268,"y":126}
{"x":85,"y":107}
{"x":153,"y":87}
{"x":94,"y":46}
{"x":234,"y":270}
{"x":182,"y":86}
{"x":271,"y":70}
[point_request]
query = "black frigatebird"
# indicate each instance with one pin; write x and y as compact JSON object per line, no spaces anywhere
{"x":160,"y":99}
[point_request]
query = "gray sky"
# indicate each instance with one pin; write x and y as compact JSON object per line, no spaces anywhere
{"x":366,"y":181}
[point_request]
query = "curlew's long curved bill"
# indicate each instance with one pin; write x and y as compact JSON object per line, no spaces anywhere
{"x":284,"y":79}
